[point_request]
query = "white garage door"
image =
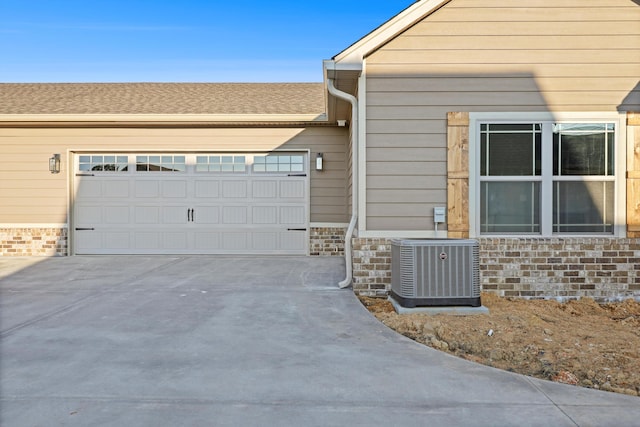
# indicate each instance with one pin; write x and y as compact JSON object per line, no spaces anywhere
{"x":208,"y":203}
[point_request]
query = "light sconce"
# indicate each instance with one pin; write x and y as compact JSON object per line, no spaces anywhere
{"x":54,"y":163}
{"x":319,"y":162}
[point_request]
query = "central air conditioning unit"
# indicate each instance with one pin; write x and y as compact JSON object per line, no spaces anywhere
{"x":435,"y":272}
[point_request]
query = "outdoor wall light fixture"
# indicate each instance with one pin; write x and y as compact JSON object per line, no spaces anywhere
{"x":54,"y":163}
{"x":319,"y":161}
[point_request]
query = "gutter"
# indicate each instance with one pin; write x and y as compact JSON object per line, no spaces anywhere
{"x":354,"y":179}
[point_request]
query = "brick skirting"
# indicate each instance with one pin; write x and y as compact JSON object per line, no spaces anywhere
{"x":327,"y":241}
{"x":33,"y":241}
{"x":563,"y":268}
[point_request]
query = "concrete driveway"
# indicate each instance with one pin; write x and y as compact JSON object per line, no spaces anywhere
{"x":241,"y":341}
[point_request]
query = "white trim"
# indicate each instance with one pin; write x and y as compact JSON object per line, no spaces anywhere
{"x":362,"y":150}
{"x":545,"y":116}
{"x":35,"y":225}
{"x":404,"y":234}
{"x":162,"y":117}
{"x":355,"y":53}
{"x":328,"y":224}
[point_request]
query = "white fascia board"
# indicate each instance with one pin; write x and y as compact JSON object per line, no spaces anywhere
{"x":193,"y":118}
{"x":355,"y":53}
{"x":331,"y":67}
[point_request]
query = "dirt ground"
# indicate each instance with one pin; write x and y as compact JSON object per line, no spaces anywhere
{"x":579,"y":342}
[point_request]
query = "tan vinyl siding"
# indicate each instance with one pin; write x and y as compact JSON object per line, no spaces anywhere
{"x":495,"y":55}
{"x":30,"y":194}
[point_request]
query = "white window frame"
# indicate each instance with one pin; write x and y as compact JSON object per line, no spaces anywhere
{"x":620,"y":153}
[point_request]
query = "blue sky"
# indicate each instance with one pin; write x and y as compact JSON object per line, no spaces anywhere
{"x":180,"y":40}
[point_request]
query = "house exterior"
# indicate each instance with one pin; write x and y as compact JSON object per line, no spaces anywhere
{"x":519,"y":117}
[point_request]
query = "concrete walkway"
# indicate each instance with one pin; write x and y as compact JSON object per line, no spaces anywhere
{"x":241,"y":341}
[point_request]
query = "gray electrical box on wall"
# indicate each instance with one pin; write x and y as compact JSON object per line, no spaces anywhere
{"x":439,"y":214}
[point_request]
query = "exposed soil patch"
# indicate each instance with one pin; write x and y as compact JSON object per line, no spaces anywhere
{"x":579,"y":342}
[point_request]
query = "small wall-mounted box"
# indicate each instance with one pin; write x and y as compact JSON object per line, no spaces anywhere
{"x":439,"y":214}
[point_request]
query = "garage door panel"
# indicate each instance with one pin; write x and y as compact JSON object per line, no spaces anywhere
{"x":292,"y":189}
{"x":264,"y":215}
{"x":265,"y":241}
{"x":146,"y":189}
{"x":117,"y":240}
{"x":175,"y":240}
{"x":207,"y":241}
{"x":294,"y":241}
{"x":89,"y":215}
{"x":89,"y":189}
{"x":265,"y":189}
{"x":293,"y":215}
{"x":174,"y":189}
{"x":234,"y":215}
{"x":174,"y":215}
{"x":116,"y":188}
{"x":207,"y":189}
{"x":235,"y":241}
{"x":234,"y":189}
{"x":88,"y":241}
{"x":147,"y":215}
{"x":207,"y":215}
{"x":117,"y":214}
{"x":147,"y":240}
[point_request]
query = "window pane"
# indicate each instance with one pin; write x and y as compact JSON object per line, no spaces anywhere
{"x":508,"y":150}
{"x":583,"y":149}
{"x":583,"y":207}
{"x":510,"y":207}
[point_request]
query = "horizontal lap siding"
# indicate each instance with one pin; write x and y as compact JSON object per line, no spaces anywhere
{"x":505,"y":55}
{"x":30,"y":194}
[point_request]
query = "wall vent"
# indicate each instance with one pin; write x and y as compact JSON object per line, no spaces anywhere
{"x":435,"y":272}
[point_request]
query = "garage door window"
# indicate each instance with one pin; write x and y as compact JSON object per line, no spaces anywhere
{"x":160,"y":164}
{"x":278,"y":163}
{"x":103,"y":163}
{"x":221,"y":164}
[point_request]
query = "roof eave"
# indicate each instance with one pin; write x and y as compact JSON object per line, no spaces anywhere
{"x":161,"y":117}
{"x":161,"y":120}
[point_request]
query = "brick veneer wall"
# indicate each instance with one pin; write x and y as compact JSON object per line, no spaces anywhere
{"x":371,"y":266}
{"x":601,"y":268}
{"x":33,"y":241}
{"x":327,"y":241}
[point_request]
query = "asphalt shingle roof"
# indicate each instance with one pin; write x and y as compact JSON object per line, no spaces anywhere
{"x":162,"y":98}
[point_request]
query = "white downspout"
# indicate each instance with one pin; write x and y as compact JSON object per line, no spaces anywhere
{"x":354,"y":179}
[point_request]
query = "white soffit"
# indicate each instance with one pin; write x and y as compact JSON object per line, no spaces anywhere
{"x":355,"y":53}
